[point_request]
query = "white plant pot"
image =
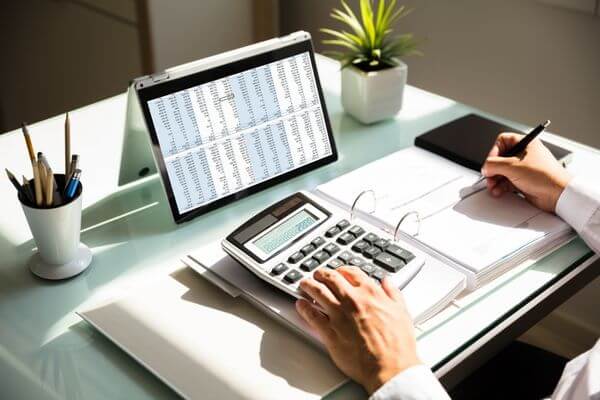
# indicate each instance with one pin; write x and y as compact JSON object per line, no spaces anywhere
{"x":373,"y":96}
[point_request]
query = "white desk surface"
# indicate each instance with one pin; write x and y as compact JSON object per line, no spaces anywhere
{"x":47,"y":352}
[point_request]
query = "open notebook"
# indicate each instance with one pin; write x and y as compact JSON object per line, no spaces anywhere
{"x":475,"y":233}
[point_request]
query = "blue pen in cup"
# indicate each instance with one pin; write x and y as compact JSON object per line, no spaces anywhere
{"x":72,"y":185}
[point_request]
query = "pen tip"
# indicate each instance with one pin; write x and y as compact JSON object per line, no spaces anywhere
{"x":547,"y":123}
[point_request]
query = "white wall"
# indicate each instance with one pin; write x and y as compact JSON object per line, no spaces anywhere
{"x":520,"y":59}
{"x":187,"y":30}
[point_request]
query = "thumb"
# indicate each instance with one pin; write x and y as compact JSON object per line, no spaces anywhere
{"x":499,"y":166}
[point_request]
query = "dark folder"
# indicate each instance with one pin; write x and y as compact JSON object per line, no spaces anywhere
{"x":468,"y":140}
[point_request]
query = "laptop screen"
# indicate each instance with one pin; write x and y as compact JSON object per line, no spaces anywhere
{"x":226,"y":135}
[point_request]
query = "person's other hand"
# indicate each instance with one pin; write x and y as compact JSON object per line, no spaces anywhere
{"x":535,"y":173}
{"x":366,"y":329}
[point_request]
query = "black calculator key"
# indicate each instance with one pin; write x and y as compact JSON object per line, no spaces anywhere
{"x":356,"y":230}
{"x":296,"y":257}
{"x":371,"y":252}
{"x":318,"y":241}
{"x":306,"y":250}
{"x":331,"y":248}
{"x":345,"y":238}
{"x":292,"y":276}
{"x":378,"y":274}
{"x":399,"y":252}
{"x":331,"y":232}
{"x":335,"y":263}
{"x":278,"y":269}
{"x":371,"y":238}
{"x":309,"y":265}
{"x":343,"y":224}
{"x":368,"y":268}
{"x":382,"y":243}
{"x":345,"y":256}
{"x":360,"y":246}
{"x":321,"y":256}
{"x":357,"y":261}
{"x":389,"y":262}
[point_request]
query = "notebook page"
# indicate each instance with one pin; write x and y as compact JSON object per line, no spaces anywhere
{"x":408,"y":180}
{"x":481,"y":230}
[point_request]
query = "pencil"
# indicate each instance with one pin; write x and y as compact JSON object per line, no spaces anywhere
{"x":49,"y":187}
{"x":67,"y":145}
{"x":34,"y":167}
{"x":13,"y":180}
{"x":41,"y":179}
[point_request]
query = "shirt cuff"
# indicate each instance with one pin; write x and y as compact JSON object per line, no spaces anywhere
{"x":414,"y":383}
{"x":577,"y":203}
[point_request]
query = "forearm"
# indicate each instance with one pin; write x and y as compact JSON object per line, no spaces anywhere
{"x":415,"y":383}
{"x":579,"y":206}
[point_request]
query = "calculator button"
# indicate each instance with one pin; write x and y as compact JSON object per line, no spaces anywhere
{"x":321,"y":256}
{"x":335,"y":263}
{"x":294,"y":258}
{"x":345,"y":256}
{"x":309,"y":265}
{"x":399,"y":252}
{"x":278,"y":269}
{"x":331,"y":248}
{"x":331,"y":232}
{"x":343,"y":224}
{"x":357,"y":261}
{"x":371,"y":238}
{"x":319,"y":241}
{"x":306,"y":250}
{"x":356,"y":230}
{"x":360,"y":246}
{"x":389,"y":262}
{"x":292,"y":276}
{"x":371,"y":252}
{"x":382,"y":243}
{"x":367,"y":268}
{"x":345,"y":239}
{"x":378,"y":274}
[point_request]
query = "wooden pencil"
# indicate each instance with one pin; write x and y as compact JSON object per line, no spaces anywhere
{"x":49,"y":187}
{"x":34,"y":165}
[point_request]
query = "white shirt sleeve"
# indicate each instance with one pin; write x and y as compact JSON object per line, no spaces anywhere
{"x":414,"y":383}
{"x":580,"y":378}
{"x":579,"y":206}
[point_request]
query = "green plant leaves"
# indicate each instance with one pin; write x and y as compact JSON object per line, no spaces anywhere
{"x":371,"y":41}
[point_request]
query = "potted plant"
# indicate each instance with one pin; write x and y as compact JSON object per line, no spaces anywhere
{"x":373,"y":76}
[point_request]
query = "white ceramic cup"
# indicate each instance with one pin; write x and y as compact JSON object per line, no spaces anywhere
{"x":56,"y":231}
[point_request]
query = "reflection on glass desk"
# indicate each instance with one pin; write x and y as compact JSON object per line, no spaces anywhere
{"x":47,"y":352}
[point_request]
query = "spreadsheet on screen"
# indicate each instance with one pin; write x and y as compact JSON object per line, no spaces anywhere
{"x":223,"y":136}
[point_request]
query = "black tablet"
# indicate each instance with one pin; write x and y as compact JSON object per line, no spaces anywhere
{"x":230,"y":125}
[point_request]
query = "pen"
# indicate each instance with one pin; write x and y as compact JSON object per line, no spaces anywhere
{"x":74,"y":165}
{"x":67,"y":145}
{"x":517,"y":149}
{"x":36,"y":178}
{"x":27,"y":190}
{"x":72,"y":186}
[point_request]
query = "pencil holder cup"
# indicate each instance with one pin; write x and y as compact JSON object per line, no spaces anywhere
{"x":56,"y":230}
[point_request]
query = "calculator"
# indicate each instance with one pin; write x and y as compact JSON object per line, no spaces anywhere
{"x":289,"y":240}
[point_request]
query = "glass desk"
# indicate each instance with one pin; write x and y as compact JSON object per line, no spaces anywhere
{"x":47,"y":352}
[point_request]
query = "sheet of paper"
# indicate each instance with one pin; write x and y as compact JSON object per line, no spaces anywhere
{"x":408,"y":180}
{"x":206,"y":344}
{"x":482,"y":230}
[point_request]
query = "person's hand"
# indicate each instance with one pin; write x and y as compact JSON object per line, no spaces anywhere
{"x":535,"y":173}
{"x":366,"y":329}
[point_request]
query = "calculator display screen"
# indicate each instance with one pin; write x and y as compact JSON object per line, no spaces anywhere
{"x":286,"y":231}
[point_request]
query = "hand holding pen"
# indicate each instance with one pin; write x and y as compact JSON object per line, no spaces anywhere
{"x":535,"y":172}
